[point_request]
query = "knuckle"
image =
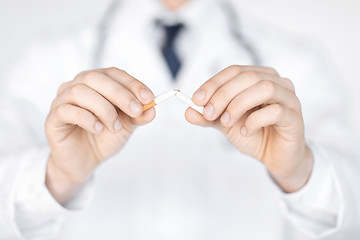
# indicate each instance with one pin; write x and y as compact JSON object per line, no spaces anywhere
{"x":76,"y":90}
{"x":118,"y":72}
{"x":110,"y":113}
{"x":54,"y":104}
{"x":211,"y":85}
{"x":114,"y":92}
{"x":111,"y":116}
{"x":59,"y":111}
{"x":89,"y":76}
{"x":112,"y":69}
{"x":268,"y":86}
{"x":222,"y":93}
{"x":80,"y":75}
{"x":272,"y":70}
{"x":134,"y":85}
{"x":277,"y":110}
{"x":235,"y":68}
{"x":290,"y":84}
{"x":79,"y":116}
{"x":252,"y":74}
{"x":235,"y":107}
{"x":61,"y":88}
{"x":236,"y":102}
{"x":122,"y":71}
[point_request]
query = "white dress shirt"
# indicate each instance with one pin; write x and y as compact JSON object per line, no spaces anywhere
{"x":174,"y":180}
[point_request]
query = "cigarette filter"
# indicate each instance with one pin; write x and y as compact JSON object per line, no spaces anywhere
{"x":160,"y":98}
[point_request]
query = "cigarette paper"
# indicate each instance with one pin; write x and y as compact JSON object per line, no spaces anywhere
{"x":186,"y":99}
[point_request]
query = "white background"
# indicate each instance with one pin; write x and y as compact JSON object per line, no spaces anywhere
{"x":335,"y":23}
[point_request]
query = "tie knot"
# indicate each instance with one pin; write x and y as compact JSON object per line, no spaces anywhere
{"x":172,"y":31}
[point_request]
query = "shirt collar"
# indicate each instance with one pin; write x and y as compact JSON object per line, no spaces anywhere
{"x":192,"y":15}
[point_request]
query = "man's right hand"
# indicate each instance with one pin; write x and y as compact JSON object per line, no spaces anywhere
{"x":90,"y":120}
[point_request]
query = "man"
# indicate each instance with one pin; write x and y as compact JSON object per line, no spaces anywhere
{"x":172,"y":179}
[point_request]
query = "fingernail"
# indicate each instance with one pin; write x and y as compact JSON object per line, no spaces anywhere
{"x":135,"y":107}
{"x":225,"y":118}
{"x":243,"y":131}
{"x":117,"y":125}
{"x":208,"y":111}
{"x":199,"y":96}
{"x":98,"y":126}
{"x":145,"y":93}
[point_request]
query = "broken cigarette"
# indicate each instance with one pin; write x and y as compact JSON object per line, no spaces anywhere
{"x":175,"y":92}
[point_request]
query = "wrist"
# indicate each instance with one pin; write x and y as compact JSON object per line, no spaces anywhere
{"x":298,"y":178}
{"x":61,"y":184}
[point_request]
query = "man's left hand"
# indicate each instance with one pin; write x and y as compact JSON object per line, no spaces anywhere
{"x":261,"y":116}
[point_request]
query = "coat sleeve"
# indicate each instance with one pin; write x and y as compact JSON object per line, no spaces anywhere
{"x":328,"y":205}
{"x":27,"y":209}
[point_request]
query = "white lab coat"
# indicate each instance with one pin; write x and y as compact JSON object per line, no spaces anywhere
{"x":174,"y":180}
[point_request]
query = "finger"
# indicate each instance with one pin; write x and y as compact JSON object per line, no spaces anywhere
{"x":62,"y":88}
{"x":113,"y":91}
{"x":274,"y":114}
{"x":262,"y":93}
{"x":203,"y":94}
{"x":85,"y":97}
{"x":222,"y":96}
{"x":140,"y":90}
{"x":194,"y":117}
{"x":145,"y":118}
{"x":67,"y":115}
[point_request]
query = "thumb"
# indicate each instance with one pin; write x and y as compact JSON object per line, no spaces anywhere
{"x":196,"y":118}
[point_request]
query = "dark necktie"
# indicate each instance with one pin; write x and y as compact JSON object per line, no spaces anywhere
{"x":168,"y":49}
